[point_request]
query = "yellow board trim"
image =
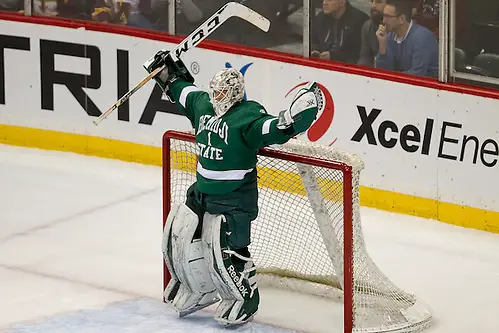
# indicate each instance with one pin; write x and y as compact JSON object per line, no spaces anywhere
{"x":464,"y":216}
{"x":80,"y":144}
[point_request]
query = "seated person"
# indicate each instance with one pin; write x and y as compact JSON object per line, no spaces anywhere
{"x":134,"y":13}
{"x":426,"y":14}
{"x":12,"y":5}
{"x":369,"y":41}
{"x":405,"y":46}
{"x":104,"y":13}
{"x":75,"y":9}
{"x":142,"y":16}
{"x":336,"y":32}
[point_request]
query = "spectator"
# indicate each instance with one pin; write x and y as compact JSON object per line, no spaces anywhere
{"x":405,"y":46}
{"x":104,"y":12}
{"x":141,"y":17}
{"x":426,"y":14}
{"x":134,"y":13}
{"x":192,"y":12}
{"x":336,"y":32}
{"x":75,"y":9}
{"x":124,"y":9}
{"x":369,"y":41}
{"x":12,"y":5}
{"x":189,"y":15}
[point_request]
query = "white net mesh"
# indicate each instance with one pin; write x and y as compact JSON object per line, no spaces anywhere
{"x":298,"y":238}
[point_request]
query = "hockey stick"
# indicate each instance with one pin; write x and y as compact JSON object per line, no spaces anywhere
{"x":204,"y":30}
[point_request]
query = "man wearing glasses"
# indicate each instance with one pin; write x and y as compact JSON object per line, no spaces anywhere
{"x":405,"y":46}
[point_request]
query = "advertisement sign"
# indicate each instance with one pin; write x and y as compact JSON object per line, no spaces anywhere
{"x":417,"y":141}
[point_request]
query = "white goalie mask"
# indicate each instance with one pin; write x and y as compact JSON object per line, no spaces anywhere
{"x":226,"y":89}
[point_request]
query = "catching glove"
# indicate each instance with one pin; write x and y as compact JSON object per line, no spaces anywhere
{"x":303,"y":110}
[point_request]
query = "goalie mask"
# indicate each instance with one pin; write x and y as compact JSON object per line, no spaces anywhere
{"x":226,"y":89}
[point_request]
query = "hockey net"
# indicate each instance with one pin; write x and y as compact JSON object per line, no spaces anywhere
{"x":308,"y":234}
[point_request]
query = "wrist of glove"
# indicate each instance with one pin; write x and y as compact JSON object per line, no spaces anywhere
{"x":284,"y":119}
{"x":302,"y":111}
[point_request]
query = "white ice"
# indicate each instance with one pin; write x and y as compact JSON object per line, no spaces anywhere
{"x":80,"y":252}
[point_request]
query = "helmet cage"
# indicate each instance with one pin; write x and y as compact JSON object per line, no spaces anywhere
{"x":226,"y":89}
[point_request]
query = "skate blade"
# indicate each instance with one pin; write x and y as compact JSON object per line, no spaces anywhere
{"x":194,"y":309}
{"x":240,"y":325}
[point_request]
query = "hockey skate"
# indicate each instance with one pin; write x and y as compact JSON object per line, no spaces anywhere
{"x":236,"y":312}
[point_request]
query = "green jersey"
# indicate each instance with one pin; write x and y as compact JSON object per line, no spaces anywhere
{"x":227,"y":144}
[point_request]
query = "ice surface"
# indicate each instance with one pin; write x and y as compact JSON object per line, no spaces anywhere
{"x":137,"y":316}
{"x":80,"y":252}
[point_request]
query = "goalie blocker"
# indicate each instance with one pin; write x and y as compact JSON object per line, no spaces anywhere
{"x":173,"y":71}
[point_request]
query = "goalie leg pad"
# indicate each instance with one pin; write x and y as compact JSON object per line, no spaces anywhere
{"x":233,"y":273}
{"x":190,"y":288}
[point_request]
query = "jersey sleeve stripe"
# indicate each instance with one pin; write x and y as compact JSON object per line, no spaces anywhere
{"x":186,"y":91}
{"x":266,"y":126}
{"x":222,"y":175}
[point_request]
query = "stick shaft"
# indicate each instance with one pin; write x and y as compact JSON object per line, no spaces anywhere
{"x":126,"y":96}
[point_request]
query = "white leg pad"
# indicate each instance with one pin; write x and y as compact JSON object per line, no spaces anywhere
{"x":228,"y":282}
{"x":190,"y":288}
{"x":213,"y":256}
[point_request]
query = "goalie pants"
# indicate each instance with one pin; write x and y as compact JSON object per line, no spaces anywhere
{"x":239,"y":207}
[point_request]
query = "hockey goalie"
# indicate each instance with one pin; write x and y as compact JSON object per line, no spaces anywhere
{"x":205,"y":240}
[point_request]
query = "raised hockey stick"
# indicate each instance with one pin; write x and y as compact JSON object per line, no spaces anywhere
{"x":204,"y":30}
